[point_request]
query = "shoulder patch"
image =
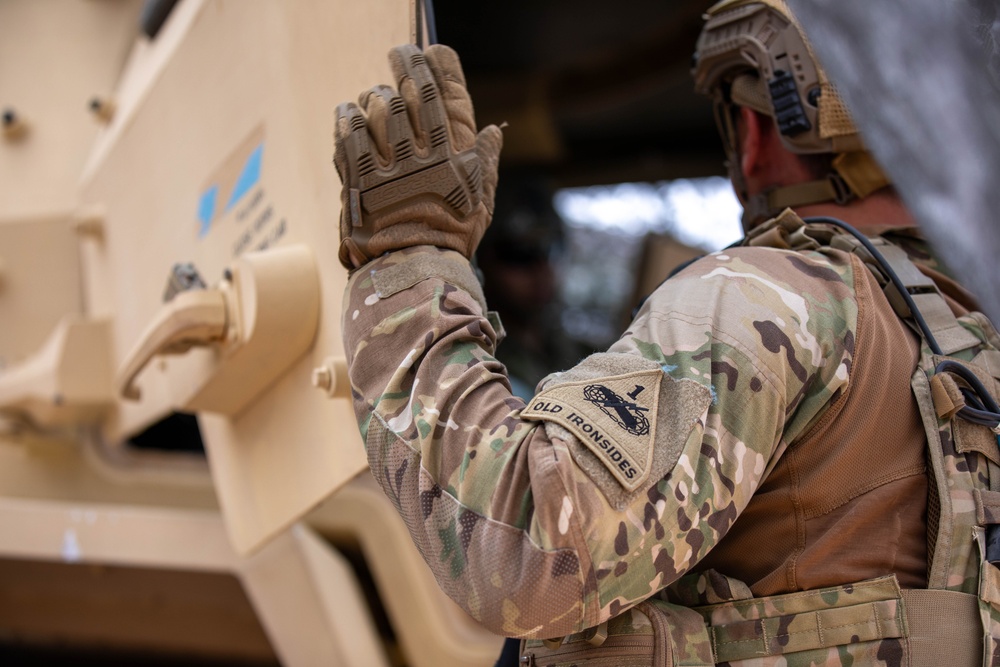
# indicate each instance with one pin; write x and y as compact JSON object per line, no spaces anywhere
{"x":614,"y":417}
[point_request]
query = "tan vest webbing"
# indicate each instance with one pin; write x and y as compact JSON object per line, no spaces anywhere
{"x":941,"y":628}
{"x":944,"y":628}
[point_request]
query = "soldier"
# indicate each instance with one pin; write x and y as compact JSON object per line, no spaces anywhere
{"x":744,"y":474}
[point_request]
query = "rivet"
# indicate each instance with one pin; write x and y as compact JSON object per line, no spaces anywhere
{"x":322,"y":378}
{"x":332,"y":377}
{"x":89,"y":222}
{"x":103,"y":109}
{"x":14,"y":127}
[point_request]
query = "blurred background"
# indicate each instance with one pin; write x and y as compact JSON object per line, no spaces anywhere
{"x":611,"y":173}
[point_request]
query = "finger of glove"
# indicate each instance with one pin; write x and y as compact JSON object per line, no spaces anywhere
{"x":339,"y":134}
{"x":353,"y":145}
{"x":446,"y":67}
{"x":489,"y":143}
{"x":350,"y":255}
{"x":418,"y":89}
{"x":388,"y":123}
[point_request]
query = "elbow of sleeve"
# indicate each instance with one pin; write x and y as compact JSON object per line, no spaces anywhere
{"x":490,"y":568}
{"x":519,"y":591}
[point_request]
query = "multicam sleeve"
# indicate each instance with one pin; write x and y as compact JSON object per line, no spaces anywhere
{"x":527,"y":518}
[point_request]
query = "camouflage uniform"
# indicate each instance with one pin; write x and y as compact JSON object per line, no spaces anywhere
{"x":627,"y":471}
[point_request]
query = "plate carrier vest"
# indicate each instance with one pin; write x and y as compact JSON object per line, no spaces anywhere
{"x":712,"y":619}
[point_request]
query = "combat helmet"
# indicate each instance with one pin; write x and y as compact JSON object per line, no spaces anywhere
{"x":753,"y":53}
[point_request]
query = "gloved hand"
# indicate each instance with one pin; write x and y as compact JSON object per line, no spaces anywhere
{"x":413,"y":169}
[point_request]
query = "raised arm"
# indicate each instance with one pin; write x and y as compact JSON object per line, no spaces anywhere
{"x":547,"y":518}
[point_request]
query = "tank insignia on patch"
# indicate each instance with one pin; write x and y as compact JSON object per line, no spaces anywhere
{"x":614,"y":417}
{"x":628,"y":415}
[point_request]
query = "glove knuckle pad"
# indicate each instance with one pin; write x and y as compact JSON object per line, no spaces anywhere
{"x":427,"y":186}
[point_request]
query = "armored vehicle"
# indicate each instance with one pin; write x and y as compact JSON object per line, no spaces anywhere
{"x":179,"y":461}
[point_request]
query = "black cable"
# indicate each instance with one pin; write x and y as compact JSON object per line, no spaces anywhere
{"x":974,"y":382}
{"x":980,"y":407}
{"x":884,"y":264}
{"x":418,"y":18}
{"x":425,"y":15}
{"x":432,"y":33}
{"x":153,"y":15}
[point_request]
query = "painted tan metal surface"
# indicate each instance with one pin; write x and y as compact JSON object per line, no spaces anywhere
{"x":211,"y":145}
{"x":308,"y":597}
{"x":54,"y":58}
{"x":38,"y":256}
{"x":303,"y":592}
{"x":440,"y":633}
{"x":68,"y":381}
{"x":258,"y":321}
{"x":69,"y":466}
{"x":226,"y":149}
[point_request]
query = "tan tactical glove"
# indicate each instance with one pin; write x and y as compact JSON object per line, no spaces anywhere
{"x":413,"y":169}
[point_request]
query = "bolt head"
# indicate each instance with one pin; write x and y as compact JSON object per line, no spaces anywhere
{"x":322,"y":378}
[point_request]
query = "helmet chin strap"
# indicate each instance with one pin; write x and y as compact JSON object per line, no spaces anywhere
{"x":765,"y":205}
{"x":854,"y":174}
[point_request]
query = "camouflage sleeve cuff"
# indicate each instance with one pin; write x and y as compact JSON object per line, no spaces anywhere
{"x":397,"y":271}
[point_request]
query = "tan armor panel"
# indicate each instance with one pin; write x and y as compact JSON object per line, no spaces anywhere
{"x":220,"y":138}
{"x":98,"y":205}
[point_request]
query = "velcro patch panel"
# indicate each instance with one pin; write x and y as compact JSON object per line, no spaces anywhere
{"x":614,"y":417}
